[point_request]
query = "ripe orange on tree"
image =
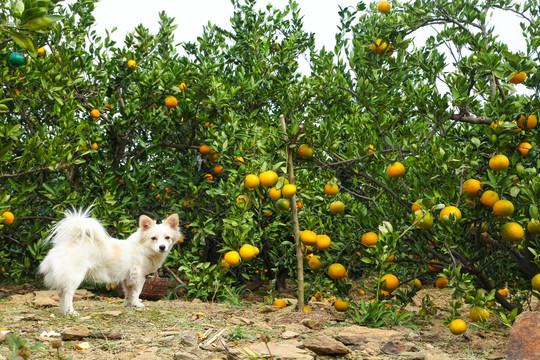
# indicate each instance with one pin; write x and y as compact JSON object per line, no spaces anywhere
{"x":457,"y":327}
{"x":94,"y":146}
{"x":337,"y":207}
{"x":205,"y":149}
{"x":489,"y":198}
{"x":512,"y":232}
{"x":370,"y":238}
{"x":218,"y":169}
{"x":232,"y":258}
{"x":503,"y":208}
{"x":299,"y":204}
{"x":41,"y":51}
{"x":533,"y":227}
{"x":536,"y":282}
{"x":242,"y":200}
{"x":314,"y":263}
{"x":527,"y":121}
{"x":238,"y":160}
{"x":517,"y":78}
{"x":503,"y":292}
{"x":288,"y":190}
{"x":274,"y":193}
{"x":433,"y":266}
{"x":331,"y":189}
{"x":479,"y":314}
{"x":209,"y":177}
{"x":384,"y":7}
{"x":95,"y":113}
{"x":323,"y":242}
{"x":395,"y":170}
{"x":213,"y":156}
{"x":268,"y":178}
{"x":441,"y":283}
{"x":524,"y":148}
{"x":379,"y":46}
{"x":251,"y":181}
{"x":337,"y":271}
{"x":305,"y":151}
{"x":248,"y":252}
{"x":389,"y":282}
{"x":182,"y":86}
{"x":446,"y":213}
{"x":417,"y":206}
{"x":416,"y":283}
{"x":283,"y":204}
{"x":499,"y":162}
{"x":341,"y":305}
{"x":471,"y":188}
{"x":8,"y":217}
{"x":423,"y":219}
{"x":267,"y":213}
{"x":171,"y":102}
{"x":371,"y":149}
{"x":308,"y":237}
{"x":132,"y":64}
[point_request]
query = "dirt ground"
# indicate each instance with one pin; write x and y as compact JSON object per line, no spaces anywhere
{"x":179,"y":329}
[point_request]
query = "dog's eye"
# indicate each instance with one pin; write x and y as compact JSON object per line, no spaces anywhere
{"x":167,"y":237}
{"x":154,"y":238}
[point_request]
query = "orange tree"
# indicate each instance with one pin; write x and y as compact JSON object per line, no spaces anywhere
{"x":123,"y":127}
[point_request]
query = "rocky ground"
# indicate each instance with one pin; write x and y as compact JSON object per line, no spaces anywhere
{"x":194,"y":330}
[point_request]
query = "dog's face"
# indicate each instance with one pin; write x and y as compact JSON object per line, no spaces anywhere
{"x":159,"y":237}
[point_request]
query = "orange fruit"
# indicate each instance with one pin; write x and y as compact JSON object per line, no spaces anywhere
{"x":341,"y":305}
{"x":268,"y":178}
{"x":41,"y":51}
{"x":390,"y":258}
{"x":417,"y":206}
{"x":527,"y":121}
{"x":384,"y":7}
{"x":503,"y":208}
{"x":305,"y":151}
{"x":433,"y":266}
{"x":533,"y":227}
{"x":391,"y":282}
{"x":213,"y":156}
{"x":182,"y":86}
{"x":331,"y":189}
{"x":307,"y":308}
{"x":314,"y":263}
{"x":94,"y":146}
{"x":238,"y":160}
{"x":524,"y":148}
{"x":95,"y":113}
{"x":379,"y":46}
{"x":308,"y":237}
{"x":423,"y":219}
{"x":503,"y":292}
{"x":371,"y":149}
{"x":499,"y":162}
{"x":8,"y":217}
{"x":536,"y":282}
{"x":457,"y":327}
{"x":248,"y":252}
{"x":337,"y":207}
{"x":171,"y":102}
{"x":218,"y":169}
{"x":323,"y":242}
{"x":288,"y":190}
{"x":224,"y":264}
{"x":205,"y":149}
{"x":251,"y":181}
{"x":132,"y":64}
{"x":283,"y":205}
{"x":242,"y":200}
{"x":275,"y":194}
{"x":471,"y":188}
{"x":83,"y":346}
{"x":395,"y":170}
{"x":489,"y":198}
{"x":416,"y":283}
{"x":209,"y":177}
{"x":232,"y":258}
{"x":479,"y":314}
{"x":512,"y":232}
{"x":441,"y":283}
{"x":299,"y":205}
{"x":449,"y":210}
{"x":370,"y":238}
{"x":280,"y":302}
{"x":517,"y":78}
{"x":337,"y":271}
{"x":382,"y":294}
{"x":267,"y":213}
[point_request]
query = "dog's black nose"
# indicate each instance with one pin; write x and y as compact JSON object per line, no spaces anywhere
{"x":162,"y":247}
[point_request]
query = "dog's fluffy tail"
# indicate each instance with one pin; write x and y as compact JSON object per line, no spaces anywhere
{"x":77,"y":227}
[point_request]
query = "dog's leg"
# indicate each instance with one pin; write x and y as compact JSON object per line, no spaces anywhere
{"x":66,"y":300}
{"x":133,"y":290}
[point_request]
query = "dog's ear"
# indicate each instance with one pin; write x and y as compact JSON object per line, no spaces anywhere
{"x":172,"y":221}
{"x":145,"y":222}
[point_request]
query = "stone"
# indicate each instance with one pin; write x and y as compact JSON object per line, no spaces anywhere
{"x":269,"y":308}
{"x":75,"y":333}
{"x":396,"y":348}
{"x":424,"y":355}
{"x":111,"y":313}
{"x":524,"y":342}
{"x":238,"y":320}
{"x":185,"y":356}
{"x":312,"y":324}
{"x":325,"y":345}
{"x":188,"y":338}
{"x":147,"y":355}
{"x":281,"y":351}
{"x":289,"y":335}
{"x":44,"y":301}
{"x":357,"y":335}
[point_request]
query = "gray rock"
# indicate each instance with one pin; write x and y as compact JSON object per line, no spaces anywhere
{"x":283,"y":351}
{"x":325,"y":345}
{"x":356,"y":335}
{"x":75,"y":333}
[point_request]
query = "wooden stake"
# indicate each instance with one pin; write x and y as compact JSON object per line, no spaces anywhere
{"x":296,"y":226}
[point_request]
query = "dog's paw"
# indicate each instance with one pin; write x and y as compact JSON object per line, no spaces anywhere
{"x":139,"y":305}
{"x":71,"y":313}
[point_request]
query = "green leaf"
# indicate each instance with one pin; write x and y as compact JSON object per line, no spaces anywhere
{"x":24,"y":41}
{"x":38,"y":23}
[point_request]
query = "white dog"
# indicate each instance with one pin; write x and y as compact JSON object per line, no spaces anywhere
{"x":82,"y":249}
